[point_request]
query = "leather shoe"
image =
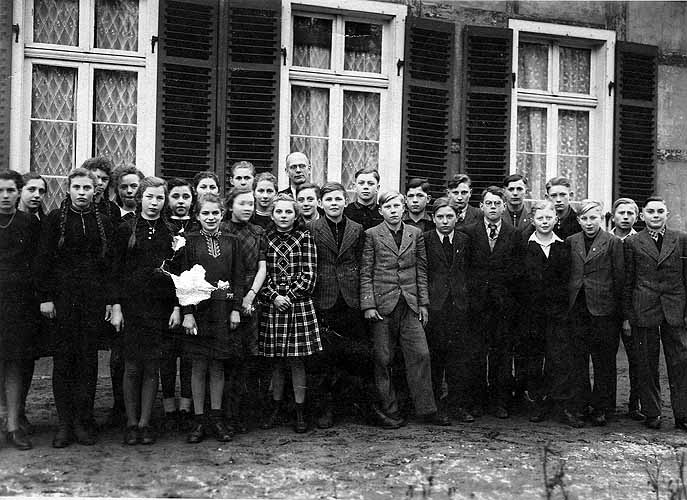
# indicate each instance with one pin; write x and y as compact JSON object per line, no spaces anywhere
{"x":326,"y":420}
{"x":62,"y":437}
{"x":569,"y":418}
{"x":636,"y":414}
{"x":653,"y":422}
{"x":681,"y":425}
{"x":301,"y":425}
{"x":220,"y":430}
{"x":197,"y":433}
{"x":436,"y":418}
{"x":131,"y":436}
{"x":386,"y":421}
{"x":598,"y":418}
{"x":19,"y":440}
{"x":464,"y":416}
{"x":83,"y":436}
{"x":500,"y":412}
{"x":147,"y":435}
{"x":25,"y":425}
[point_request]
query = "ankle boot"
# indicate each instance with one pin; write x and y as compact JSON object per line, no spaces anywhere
{"x":62,"y":437}
{"x":273,"y":416}
{"x":300,"y":426}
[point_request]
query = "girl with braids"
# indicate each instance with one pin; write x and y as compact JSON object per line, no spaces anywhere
{"x":245,"y":377}
{"x":73,"y":252}
{"x":289,"y":330}
{"x":144,"y":304}
{"x":18,"y":240}
{"x":31,"y":202}
{"x":102,"y":167}
{"x":210,"y":324}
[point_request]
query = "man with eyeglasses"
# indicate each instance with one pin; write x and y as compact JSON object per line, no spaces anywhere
{"x":298,"y":170}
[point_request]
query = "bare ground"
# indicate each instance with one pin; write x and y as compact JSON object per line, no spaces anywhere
{"x":488,"y":459}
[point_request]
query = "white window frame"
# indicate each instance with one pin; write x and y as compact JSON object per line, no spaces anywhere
{"x":390,"y":83}
{"x":600,"y":103}
{"x":25,"y":53}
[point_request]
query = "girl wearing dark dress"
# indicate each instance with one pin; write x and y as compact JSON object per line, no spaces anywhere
{"x":18,"y":306}
{"x":265,"y":189}
{"x":288,"y":326}
{"x":31,"y":202}
{"x":102,"y":168}
{"x":212,"y":323}
{"x":179,"y":205}
{"x":144,"y":304}
{"x":72,"y":256}
{"x":243,"y":390}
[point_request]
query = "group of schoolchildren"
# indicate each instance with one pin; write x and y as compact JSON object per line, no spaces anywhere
{"x":492,"y":309}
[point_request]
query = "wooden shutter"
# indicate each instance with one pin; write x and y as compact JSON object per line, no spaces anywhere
{"x":6,"y":42}
{"x":487,"y":87}
{"x":187,"y":87}
{"x":251,"y":87}
{"x":427,"y":98}
{"x":635,"y":121}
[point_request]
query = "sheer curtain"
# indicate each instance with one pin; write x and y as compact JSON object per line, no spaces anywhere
{"x":360,"y":134}
{"x":56,"y":22}
{"x":363,"y":47}
{"x":116,"y":24}
{"x":573,"y":149}
{"x":531,"y":148}
{"x":574,"y":70}
{"x":533,"y":66}
{"x":312,"y":42}
{"x":310,"y":127}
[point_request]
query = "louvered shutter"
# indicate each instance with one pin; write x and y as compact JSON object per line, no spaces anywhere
{"x":635,"y":121}
{"x":487,"y":84}
{"x":427,"y":98}
{"x":187,"y":87}
{"x":252,"y":84}
{"x":6,"y":42}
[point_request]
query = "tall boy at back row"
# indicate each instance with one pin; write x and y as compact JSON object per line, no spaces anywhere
{"x":364,"y":210}
{"x":655,"y":300}
{"x":394,"y":297}
{"x":492,"y":267}
{"x":417,"y":198}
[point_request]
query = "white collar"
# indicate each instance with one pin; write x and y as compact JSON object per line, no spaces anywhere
{"x":536,"y":239}
{"x":450,"y":235}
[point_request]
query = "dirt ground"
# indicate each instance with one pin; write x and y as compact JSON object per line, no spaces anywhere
{"x":488,"y":459}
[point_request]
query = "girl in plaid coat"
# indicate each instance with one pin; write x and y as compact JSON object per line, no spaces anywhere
{"x":288,"y":325}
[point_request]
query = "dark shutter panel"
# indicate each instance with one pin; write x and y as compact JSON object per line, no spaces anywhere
{"x":252,"y":83}
{"x":6,"y":42}
{"x":487,"y":84}
{"x":635,"y":121}
{"x":427,"y":98}
{"x":187,"y":87}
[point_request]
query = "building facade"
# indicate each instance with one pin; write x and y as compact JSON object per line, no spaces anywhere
{"x":591,"y":90}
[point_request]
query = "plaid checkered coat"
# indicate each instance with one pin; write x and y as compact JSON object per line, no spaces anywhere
{"x":292,"y":272}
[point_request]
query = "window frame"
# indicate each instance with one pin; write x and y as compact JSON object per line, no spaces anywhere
{"x":600,"y":105}
{"x":389,"y":82}
{"x":86,"y":59}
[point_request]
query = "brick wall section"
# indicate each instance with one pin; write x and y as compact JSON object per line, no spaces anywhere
{"x":6,"y":41}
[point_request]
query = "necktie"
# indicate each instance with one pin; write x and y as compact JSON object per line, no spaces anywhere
{"x":448,"y":249}
{"x":492,"y":231}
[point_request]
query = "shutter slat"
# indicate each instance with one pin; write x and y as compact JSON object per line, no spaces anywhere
{"x":427,"y":90}
{"x":635,"y":121}
{"x":187,"y":87}
{"x":251,"y":112}
{"x":487,"y":68}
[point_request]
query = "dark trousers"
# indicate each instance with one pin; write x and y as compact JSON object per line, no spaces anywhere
{"x":74,"y":377}
{"x":117,"y":375}
{"x":595,"y":337}
{"x":493,"y":337}
{"x":453,"y":355}
{"x":346,"y":357}
{"x":168,"y":373}
{"x":628,"y":344}
{"x":647,"y":343}
{"x":403,"y":327}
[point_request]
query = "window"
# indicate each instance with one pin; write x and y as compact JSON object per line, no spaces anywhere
{"x":562,"y":121}
{"x":341,"y":92}
{"x":84,"y":88}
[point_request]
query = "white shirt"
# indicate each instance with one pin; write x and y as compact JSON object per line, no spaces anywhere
{"x":441,"y":236}
{"x":632,"y":231}
{"x":545,"y":246}
{"x":497,"y":224}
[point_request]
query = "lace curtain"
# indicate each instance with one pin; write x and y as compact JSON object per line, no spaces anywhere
{"x":360,"y":134}
{"x":310,"y":127}
{"x":533,"y":66}
{"x":56,"y":22}
{"x":116,"y":24}
{"x":573,"y":149}
{"x":531,"y":148}
{"x":363,"y":47}
{"x":312,"y":42}
{"x":574,"y":70}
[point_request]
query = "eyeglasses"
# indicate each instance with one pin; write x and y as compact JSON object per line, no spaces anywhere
{"x":299,"y":166}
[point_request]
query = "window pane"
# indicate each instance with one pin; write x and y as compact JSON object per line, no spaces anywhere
{"x":312,"y":42}
{"x":360,"y":134}
{"x":573,"y":149}
{"x":52,"y":119}
{"x":363,"y":47}
{"x":116,"y":24}
{"x":531,"y":148}
{"x":574,"y":70}
{"x":310,"y":127}
{"x":115,"y":96}
{"x":56,"y":21}
{"x":533,"y":66}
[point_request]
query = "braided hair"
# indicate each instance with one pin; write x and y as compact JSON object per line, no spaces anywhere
{"x":147,"y":182}
{"x":64,"y":209}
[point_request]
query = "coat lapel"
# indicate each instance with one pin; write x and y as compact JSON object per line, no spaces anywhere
{"x":434,"y":243}
{"x":668,"y":246}
{"x":598,"y":246}
{"x":406,"y":240}
{"x":388,"y":239}
{"x":326,"y":233}
{"x":647,"y":244}
{"x":577,"y":246}
{"x":350,"y":236}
